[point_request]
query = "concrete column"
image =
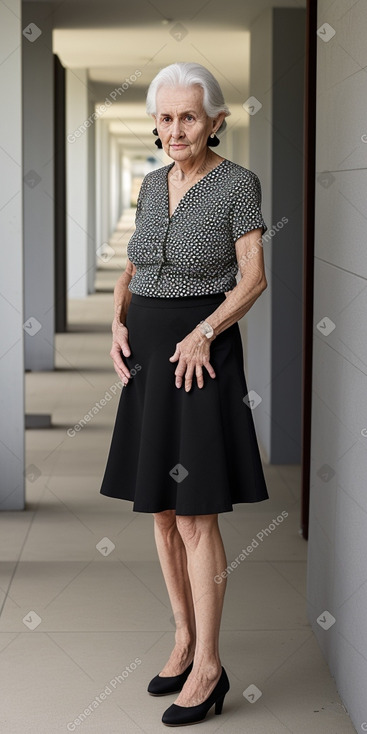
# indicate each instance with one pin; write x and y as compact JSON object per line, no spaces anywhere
{"x":121,"y":163}
{"x":119,"y":181}
{"x":103,"y":230}
{"x":38,"y":162}
{"x":126,"y":181}
{"x":274,"y":324}
{"x":114,"y":207}
{"x":11,"y":271}
{"x":91,"y":184}
{"x":80,"y":241}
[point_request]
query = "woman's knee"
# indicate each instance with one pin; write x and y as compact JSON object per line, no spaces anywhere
{"x":165,"y":519}
{"x":192,"y":527}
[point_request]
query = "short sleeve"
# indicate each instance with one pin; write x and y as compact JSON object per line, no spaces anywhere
{"x":246,"y":213}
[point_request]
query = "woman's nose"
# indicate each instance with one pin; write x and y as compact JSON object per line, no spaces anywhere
{"x":176,"y":129}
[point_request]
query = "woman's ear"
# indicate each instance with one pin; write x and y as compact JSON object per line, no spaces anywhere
{"x":217,"y":121}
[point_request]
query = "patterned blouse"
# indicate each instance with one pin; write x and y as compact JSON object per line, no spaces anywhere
{"x":192,"y":253}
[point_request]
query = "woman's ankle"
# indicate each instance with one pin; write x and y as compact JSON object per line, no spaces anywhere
{"x":185,"y":646}
{"x":180,"y":659}
{"x":207,"y":665}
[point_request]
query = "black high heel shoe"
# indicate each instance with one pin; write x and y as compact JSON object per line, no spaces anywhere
{"x":182,"y":715}
{"x":160,"y":686}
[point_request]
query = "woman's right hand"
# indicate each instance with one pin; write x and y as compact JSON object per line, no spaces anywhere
{"x":120,"y":344}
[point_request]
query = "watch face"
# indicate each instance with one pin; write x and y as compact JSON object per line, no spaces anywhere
{"x":207,"y":329}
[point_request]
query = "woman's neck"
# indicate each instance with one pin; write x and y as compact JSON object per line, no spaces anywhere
{"x":199,"y":165}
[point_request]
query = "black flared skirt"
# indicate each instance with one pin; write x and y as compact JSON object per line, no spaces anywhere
{"x":193,"y":452}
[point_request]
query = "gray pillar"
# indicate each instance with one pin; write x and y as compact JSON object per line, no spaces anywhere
{"x":114,"y":182}
{"x":126,"y":181}
{"x":11,"y":271}
{"x":80,"y":241}
{"x":275,"y":108}
{"x":103,"y":230}
{"x":38,"y":162}
{"x":120,"y":194}
{"x":91,"y":183}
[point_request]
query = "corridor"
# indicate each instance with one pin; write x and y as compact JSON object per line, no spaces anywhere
{"x":86,"y":620}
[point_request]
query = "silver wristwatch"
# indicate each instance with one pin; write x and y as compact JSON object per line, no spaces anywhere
{"x":206,"y":329}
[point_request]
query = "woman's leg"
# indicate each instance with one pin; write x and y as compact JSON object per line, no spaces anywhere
{"x":173,"y":560}
{"x":206,"y":560}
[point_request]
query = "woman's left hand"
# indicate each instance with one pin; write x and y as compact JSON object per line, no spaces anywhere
{"x":192,"y":353}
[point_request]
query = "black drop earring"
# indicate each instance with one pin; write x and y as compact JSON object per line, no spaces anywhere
{"x":157,"y":142}
{"x":213,"y":140}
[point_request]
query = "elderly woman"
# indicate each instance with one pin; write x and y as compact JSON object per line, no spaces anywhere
{"x":184,"y":446}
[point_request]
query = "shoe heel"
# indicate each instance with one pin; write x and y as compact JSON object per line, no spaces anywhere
{"x":219,"y":705}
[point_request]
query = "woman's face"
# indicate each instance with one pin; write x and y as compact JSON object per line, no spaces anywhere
{"x":182,"y":123}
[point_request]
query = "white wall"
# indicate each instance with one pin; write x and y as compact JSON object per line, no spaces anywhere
{"x":337,"y":569}
{"x":240,"y":146}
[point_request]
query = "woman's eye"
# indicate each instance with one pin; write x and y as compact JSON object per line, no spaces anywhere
{"x":187,"y":117}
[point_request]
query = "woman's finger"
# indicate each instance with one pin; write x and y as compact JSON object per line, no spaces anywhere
{"x":122,"y":344}
{"x":210,"y":369}
{"x":175,"y":354}
{"x":122,"y":375}
{"x":120,"y":337}
{"x":115,"y":354}
{"x":126,"y":351}
{"x":180,"y":371}
{"x":119,"y":364}
{"x":189,"y":373}
{"x":199,"y":375}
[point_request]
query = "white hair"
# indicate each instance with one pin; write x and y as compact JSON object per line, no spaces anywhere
{"x":185,"y":74}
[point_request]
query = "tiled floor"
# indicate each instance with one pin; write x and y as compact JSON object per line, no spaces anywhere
{"x":74,"y":619}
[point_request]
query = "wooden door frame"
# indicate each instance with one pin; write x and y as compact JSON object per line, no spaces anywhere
{"x":60,"y":274}
{"x":308,"y":252}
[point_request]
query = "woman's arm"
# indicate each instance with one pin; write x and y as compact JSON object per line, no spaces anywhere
{"x":120,"y":343}
{"x":193,"y":352}
{"x":250,"y":258}
{"x":122,"y":295}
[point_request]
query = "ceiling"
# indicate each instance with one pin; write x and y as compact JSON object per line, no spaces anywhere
{"x":114,"y":38}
